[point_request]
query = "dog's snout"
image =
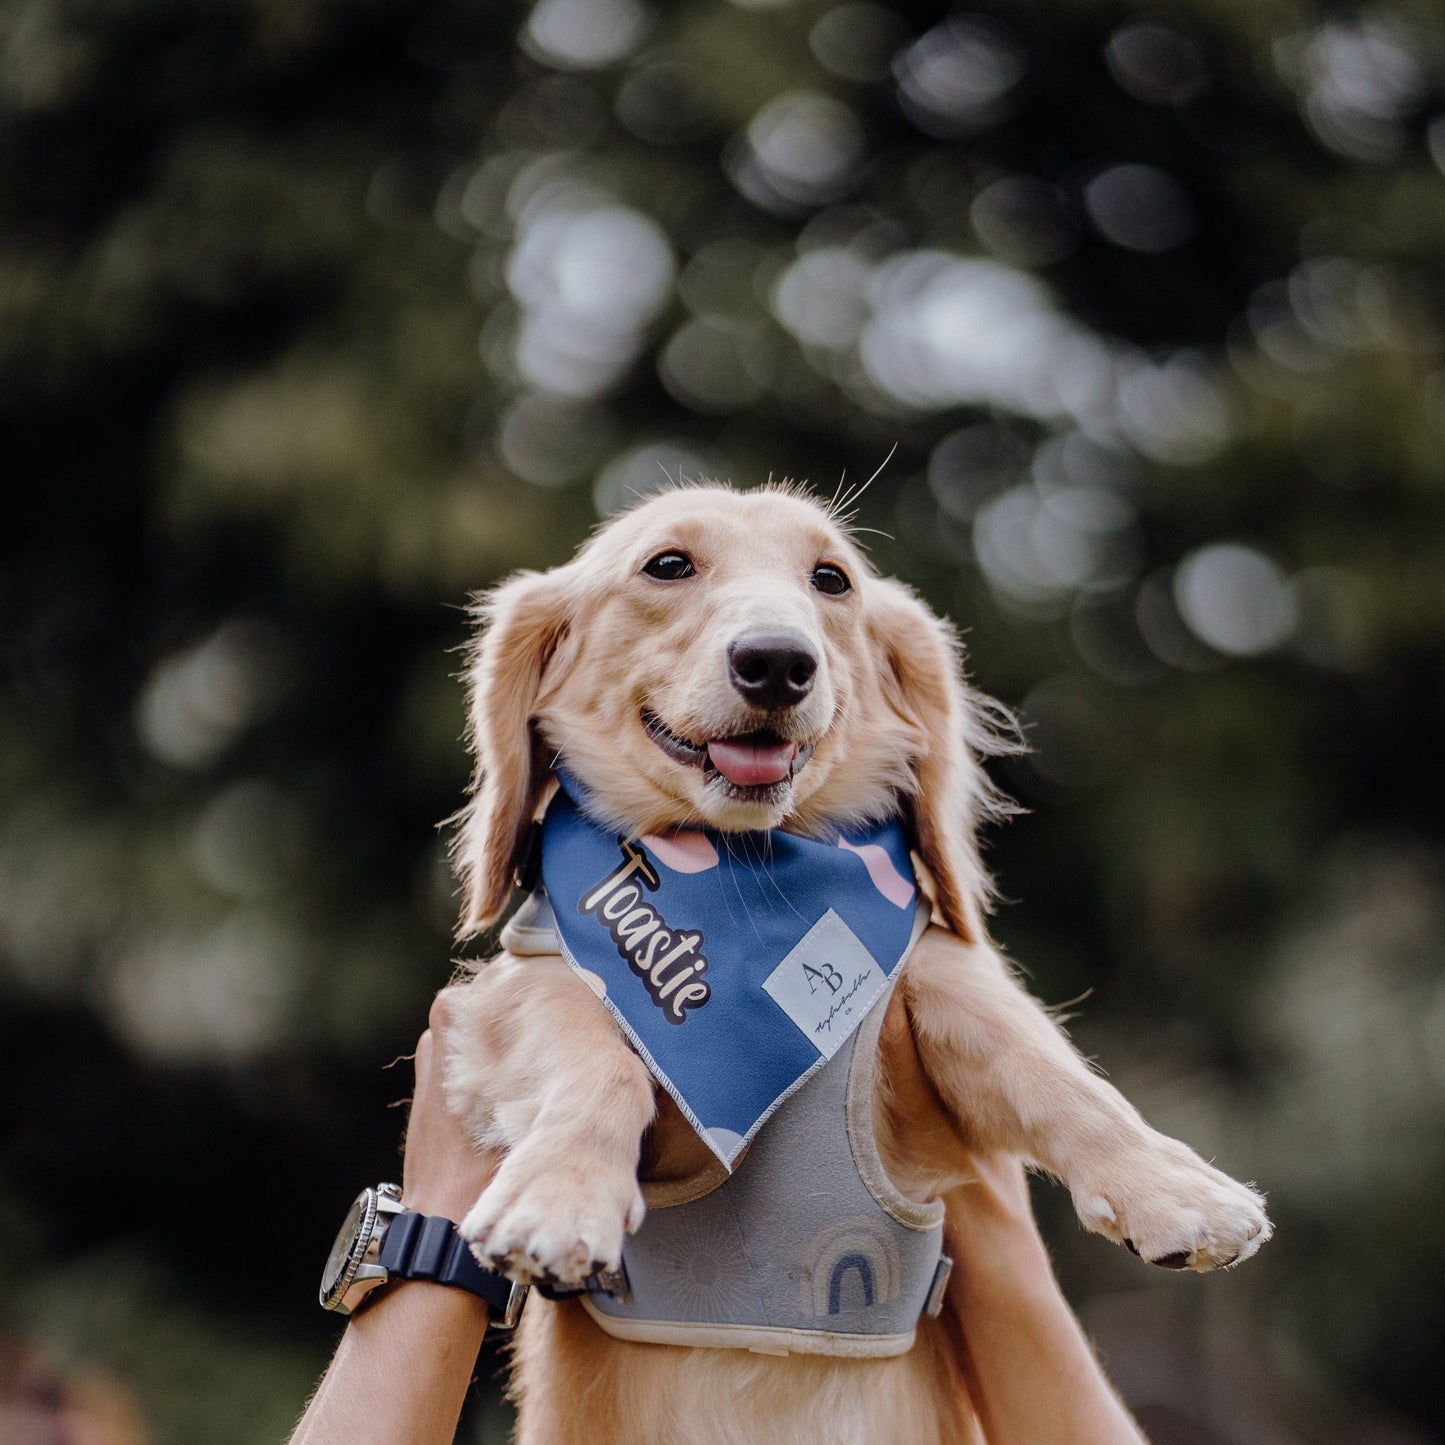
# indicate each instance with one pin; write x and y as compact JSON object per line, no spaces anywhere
{"x":773,"y":669}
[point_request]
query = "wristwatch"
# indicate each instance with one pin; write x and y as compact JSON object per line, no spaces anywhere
{"x":381,"y":1239}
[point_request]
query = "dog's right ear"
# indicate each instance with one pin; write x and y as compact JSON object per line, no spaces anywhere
{"x":522,"y":625}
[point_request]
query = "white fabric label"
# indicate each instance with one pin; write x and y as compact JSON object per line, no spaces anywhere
{"x":826,"y":983}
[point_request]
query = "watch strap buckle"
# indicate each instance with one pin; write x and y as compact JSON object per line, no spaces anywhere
{"x":512,"y":1312}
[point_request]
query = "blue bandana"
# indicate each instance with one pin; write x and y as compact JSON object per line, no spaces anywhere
{"x":736,"y":963}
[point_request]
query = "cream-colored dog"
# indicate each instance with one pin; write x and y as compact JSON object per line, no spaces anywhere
{"x":730,"y":659}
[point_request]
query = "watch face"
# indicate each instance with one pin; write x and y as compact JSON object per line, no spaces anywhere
{"x":350,"y":1245}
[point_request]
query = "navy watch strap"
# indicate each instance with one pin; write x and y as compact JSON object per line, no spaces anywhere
{"x":426,"y":1246}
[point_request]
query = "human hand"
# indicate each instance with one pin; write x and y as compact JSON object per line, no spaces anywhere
{"x":443,"y":1171}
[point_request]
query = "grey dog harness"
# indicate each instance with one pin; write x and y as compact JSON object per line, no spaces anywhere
{"x":805,"y":1248}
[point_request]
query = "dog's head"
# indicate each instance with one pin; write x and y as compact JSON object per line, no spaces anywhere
{"x":729,"y":659}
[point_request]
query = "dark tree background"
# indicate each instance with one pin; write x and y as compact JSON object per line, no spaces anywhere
{"x":315,"y":316}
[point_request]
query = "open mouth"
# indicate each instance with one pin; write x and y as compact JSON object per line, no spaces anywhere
{"x":751,"y":762}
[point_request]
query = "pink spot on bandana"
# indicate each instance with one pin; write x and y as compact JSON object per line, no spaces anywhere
{"x":684,"y":850}
{"x":886,"y":878}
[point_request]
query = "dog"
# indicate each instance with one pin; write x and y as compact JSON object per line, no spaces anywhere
{"x":729,"y":660}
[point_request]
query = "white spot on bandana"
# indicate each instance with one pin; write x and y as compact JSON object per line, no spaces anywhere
{"x":826,"y":984}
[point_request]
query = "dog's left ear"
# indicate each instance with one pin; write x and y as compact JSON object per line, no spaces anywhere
{"x":947,"y":728}
{"x":523,"y":624}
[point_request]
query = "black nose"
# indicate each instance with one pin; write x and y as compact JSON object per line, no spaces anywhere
{"x":772,"y":669}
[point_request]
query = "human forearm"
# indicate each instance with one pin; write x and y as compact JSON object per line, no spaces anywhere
{"x":405,"y":1359}
{"x":1031,"y":1372}
{"x":401,"y":1370}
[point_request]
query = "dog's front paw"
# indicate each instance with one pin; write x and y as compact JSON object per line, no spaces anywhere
{"x":1172,"y":1209}
{"x":554,"y":1222}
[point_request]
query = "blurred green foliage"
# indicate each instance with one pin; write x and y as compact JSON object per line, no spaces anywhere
{"x":316,"y":316}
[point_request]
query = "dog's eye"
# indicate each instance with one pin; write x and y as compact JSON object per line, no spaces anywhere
{"x":670,"y":566}
{"x":831,"y":580}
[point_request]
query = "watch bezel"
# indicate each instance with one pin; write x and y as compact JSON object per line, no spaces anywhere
{"x":360,"y":1237}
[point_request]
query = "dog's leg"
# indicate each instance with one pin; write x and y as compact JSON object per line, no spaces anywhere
{"x":1012,"y":1081}
{"x":539,"y":1070}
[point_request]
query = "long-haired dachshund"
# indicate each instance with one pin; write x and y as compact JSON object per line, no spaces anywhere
{"x":728,"y":662}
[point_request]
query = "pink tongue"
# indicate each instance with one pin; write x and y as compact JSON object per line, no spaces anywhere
{"x":751,"y":764}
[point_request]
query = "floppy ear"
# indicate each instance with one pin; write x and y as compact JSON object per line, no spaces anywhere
{"x":949,"y":726}
{"x":522,"y":623}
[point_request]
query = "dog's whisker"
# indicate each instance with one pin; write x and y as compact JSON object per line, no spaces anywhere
{"x":765,"y":873}
{"x":855,"y":496}
{"x":856,"y":532}
{"x":839,"y":512}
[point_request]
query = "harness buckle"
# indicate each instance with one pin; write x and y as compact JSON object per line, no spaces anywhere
{"x":933,"y":1305}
